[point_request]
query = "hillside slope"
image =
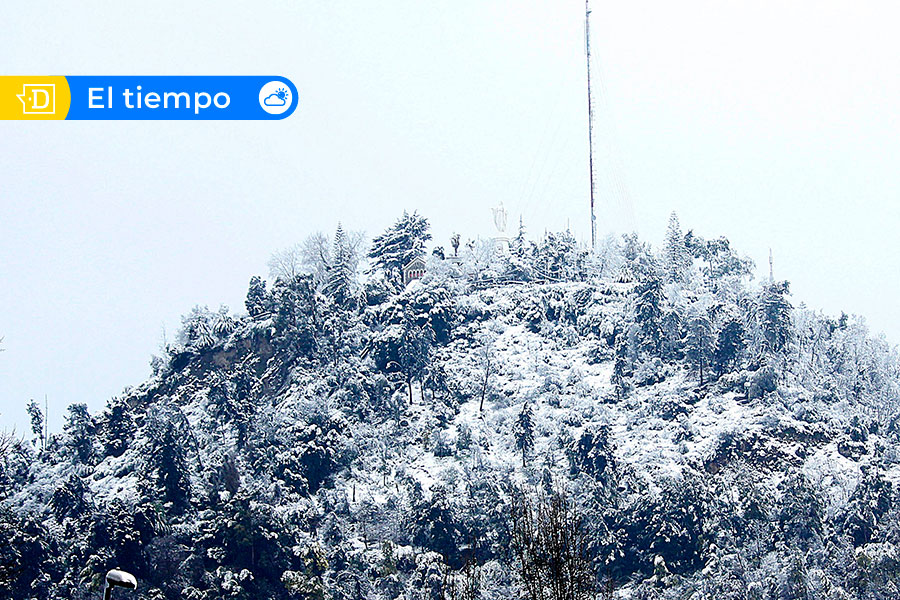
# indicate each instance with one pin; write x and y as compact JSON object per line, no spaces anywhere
{"x":699,"y":436}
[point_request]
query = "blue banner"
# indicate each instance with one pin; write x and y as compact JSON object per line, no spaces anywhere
{"x":154,"y":97}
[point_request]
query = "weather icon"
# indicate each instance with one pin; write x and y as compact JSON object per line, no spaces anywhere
{"x":279,"y":98}
{"x":275,"y":98}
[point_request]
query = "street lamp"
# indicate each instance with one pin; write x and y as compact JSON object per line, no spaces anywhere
{"x":117,"y":578}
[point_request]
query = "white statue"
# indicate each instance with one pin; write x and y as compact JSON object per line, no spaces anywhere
{"x":500,"y":218}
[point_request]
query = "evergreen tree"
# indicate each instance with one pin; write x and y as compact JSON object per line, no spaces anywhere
{"x":699,"y":342}
{"x":675,"y":254}
{"x":774,"y":315}
{"x":414,"y":353}
{"x":729,"y":345}
{"x":801,"y":513}
{"x":80,"y":430}
{"x":117,"y":428}
{"x":648,"y":314}
{"x":68,"y":500}
{"x":37,"y":421}
{"x":168,"y":436}
{"x":620,"y":366}
{"x":559,"y":258}
{"x":524,"y":431}
{"x":223,"y":323}
{"x":258,"y":300}
{"x":196,"y":330}
{"x":434,"y":524}
{"x":297,"y":318}
{"x":398,"y":245}
{"x":342,"y":271}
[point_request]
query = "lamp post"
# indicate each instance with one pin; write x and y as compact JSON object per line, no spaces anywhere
{"x":117,"y":578}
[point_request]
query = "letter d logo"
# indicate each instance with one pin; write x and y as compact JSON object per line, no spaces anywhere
{"x":38,"y":98}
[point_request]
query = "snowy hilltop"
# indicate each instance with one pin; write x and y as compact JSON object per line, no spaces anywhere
{"x":501,"y":419}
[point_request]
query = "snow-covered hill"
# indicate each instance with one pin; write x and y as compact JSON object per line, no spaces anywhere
{"x":685,"y":433}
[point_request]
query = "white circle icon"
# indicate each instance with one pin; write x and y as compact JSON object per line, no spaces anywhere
{"x":275,"y":97}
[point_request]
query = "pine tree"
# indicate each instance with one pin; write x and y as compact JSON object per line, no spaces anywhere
{"x":80,"y":429}
{"x":37,"y":422}
{"x":648,"y":314}
{"x":258,"y":299}
{"x":620,"y":366}
{"x":117,"y":428}
{"x":675,"y":253}
{"x":297,"y":318}
{"x":68,"y":500}
{"x":699,"y":342}
{"x":168,"y":435}
{"x":342,"y":271}
{"x":774,"y":315}
{"x":168,"y":458}
{"x":729,"y":345}
{"x":524,"y":431}
{"x":398,"y":245}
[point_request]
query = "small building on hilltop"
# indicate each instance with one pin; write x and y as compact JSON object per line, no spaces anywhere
{"x":414,"y":269}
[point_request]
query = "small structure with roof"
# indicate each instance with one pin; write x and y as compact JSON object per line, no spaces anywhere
{"x":414,"y":269}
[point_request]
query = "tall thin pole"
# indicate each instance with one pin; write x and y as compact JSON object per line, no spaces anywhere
{"x":587,"y":51}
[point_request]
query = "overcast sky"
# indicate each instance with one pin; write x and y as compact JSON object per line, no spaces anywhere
{"x":773,"y":123}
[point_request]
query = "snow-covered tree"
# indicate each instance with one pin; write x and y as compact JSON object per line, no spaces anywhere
{"x":700,"y":341}
{"x":68,"y":500}
{"x":398,"y":245}
{"x":524,"y":431}
{"x":550,"y":546}
{"x":196,"y":329}
{"x":116,"y":428}
{"x":676,"y":258}
{"x":258,"y":300}
{"x":341,"y":282}
{"x":80,"y":429}
{"x":166,"y":456}
{"x":729,"y":345}
{"x":37,"y":422}
{"x":648,"y":314}
{"x":315,"y":258}
{"x":287,"y":263}
{"x":620,"y":366}
{"x":454,"y":242}
{"x":774,"y":316}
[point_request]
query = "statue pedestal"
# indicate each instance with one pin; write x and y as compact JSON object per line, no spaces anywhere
{"x":501,"y":245}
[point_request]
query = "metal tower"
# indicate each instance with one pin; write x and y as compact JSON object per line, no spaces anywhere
{"x":587,"y":51}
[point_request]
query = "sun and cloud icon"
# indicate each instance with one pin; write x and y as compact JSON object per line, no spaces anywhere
{"x":279,"y":98}
{"x":275,"y":98}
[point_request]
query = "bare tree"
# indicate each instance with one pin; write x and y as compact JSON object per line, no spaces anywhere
{"x":550,"y":547}
{"x":462,"y":585}
{"x":314,"y":257}
{"x":486,"y":363}
{"x":287,"y":264}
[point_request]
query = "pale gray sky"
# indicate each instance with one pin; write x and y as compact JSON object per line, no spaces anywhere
{"x":773,"y":123}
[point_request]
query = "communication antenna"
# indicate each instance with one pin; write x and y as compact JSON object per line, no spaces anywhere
{"x":771,"y":268}
{"x":587,"y":51}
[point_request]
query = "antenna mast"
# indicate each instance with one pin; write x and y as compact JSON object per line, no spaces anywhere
{"x":587,"y":51}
